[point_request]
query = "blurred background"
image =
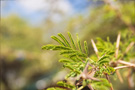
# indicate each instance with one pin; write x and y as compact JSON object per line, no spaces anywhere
{"x":26,"y":25}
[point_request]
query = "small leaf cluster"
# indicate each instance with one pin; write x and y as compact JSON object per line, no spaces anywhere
{"x":74,"y":57}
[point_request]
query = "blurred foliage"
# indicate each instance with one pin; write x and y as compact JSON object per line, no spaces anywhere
{"x":22,"y":60}
{"x":18,"y":32}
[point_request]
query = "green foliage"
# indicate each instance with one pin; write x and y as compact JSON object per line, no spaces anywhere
{"x":56,"y":88}
{"x":71,"y":39}
{"x":64,"y":84}
{"x":75,"y":58}
{"x":102,"y":85}
{"x":80,"y":64}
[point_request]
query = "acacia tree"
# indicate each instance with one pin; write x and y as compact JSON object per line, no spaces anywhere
{"x":94,"y":71}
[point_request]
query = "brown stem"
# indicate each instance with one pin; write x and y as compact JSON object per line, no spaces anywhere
{"x":119,"y":76}
{"x":116,"y":55}
{"x":130,"y":79}
{"x":126,"y":63}
{"x":95,"y":48}
{"x":129,"y":47}
{"x":92,"y":78}
{"x":117,"y":45}
{"x":120,"y":67}
{"x":108,"y":78}
{"x":90,"y":87}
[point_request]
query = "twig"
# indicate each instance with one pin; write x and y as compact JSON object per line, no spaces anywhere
{"x":119,"y":76}
{"x":91,"y":88}
{"x":130,"y":79}
{"x":126,"y":63}
{"x":129,"y":47}
{"x":108,"y":78}
{"x":92,"y":78}
{"x":86,"y":68}
{"x":116,"y":55}
{"x":120,"y":67}
{"x":95,"y":48}
{"x":117,"y":45}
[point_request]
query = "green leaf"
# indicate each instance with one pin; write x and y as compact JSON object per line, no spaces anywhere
{"x":58,"y":40}
{"x":67,"y":52}
{"x":71,"y":39}
{"x":102,"y":58}
{"x":86,"y":47}
{"x":68,"y":66}
{"x":72,"y":55}
{"x":111,"y":69}
{"x":49,"y":47}
{"x":64,"y":84}
{"x":111,"y":53}
{"x":78,"y":42}
{"x":77,"y":54}
{"x":55,"y":88}
{"x":62,"y":48}
{"x":64,"y":39}
{"x":64,"y":60}
{"x":103,"y":61}
{"x":55,"y":47}
{"x":71,"y":74}
{"x":103,"y":84}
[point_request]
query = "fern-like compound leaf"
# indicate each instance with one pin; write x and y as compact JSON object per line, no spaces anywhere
{"x":64,"y":39}
{"x":68,"y":52}
{"x":58,"y":40}
{"x":79,"y":43}
{"x":55,"y":47}
{"x":86,"y":47}
{"x":71,"y":39}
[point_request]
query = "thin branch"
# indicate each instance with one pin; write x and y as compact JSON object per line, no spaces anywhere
{"x":90,"y":87}
{"x":129,"y":47}
{"x":95,"y":48}
{"x":126,"y":63}
{"x":117,"y":46}
{"x":120,"y":67}
{"x":92,"y":78}
{"x":108,"y":78}
{"x":116,"y":55}
{"x":86,"y":68}
{"x":130,"y":79}
{"x":119,"y":76}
